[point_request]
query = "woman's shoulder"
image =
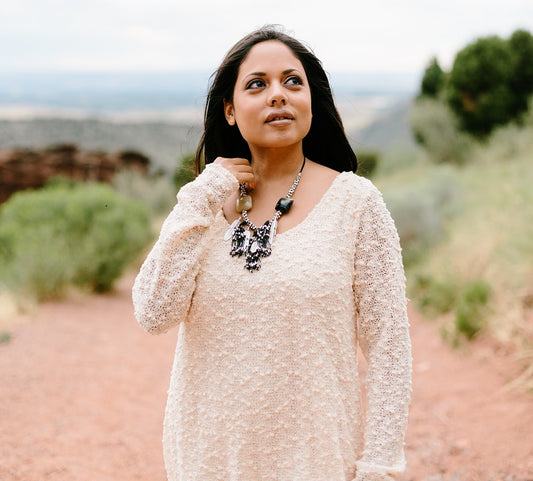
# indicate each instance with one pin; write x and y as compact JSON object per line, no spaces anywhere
{"x":346,"y":187}
{"x":349,"y":179}
{"x":356,"y":186}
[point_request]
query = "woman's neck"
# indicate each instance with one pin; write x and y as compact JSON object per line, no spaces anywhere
{"x":276,"y":164}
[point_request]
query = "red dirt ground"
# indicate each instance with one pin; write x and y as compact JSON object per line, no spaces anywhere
{"x":83,"y":390}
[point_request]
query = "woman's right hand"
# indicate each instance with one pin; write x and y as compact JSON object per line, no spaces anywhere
{"x":240,"y":168}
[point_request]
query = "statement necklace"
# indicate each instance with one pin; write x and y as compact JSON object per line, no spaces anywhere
{"x":253,"y":241}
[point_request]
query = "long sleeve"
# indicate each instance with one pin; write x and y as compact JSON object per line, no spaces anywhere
{"x":379,"y":287}
{"x":165,"y":284}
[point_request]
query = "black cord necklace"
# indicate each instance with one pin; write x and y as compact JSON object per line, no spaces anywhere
{"x":253,"y":241}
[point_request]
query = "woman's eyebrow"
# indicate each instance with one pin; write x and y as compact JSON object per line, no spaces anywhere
{"x":256,"y":74}
{"x":264,"y":74}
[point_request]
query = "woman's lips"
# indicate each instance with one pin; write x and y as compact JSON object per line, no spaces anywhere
{"x":279,"y":117}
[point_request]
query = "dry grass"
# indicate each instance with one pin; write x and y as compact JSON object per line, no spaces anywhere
{"x":489,"y":237}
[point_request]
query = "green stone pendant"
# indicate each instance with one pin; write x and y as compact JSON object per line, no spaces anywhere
{"x":243,"y":203}
{"x":284,"y":205}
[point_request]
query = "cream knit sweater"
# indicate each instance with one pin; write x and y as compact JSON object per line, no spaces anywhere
{"x":265,"y":384}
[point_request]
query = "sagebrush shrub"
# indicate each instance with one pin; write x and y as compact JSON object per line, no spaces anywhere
{"x":64,"y":234}
{"x":417,"y":220}
{"x":420,"y":211}
{"x":157,"y":192}
{"x":435,"y":296}
{"x":435,"y":129}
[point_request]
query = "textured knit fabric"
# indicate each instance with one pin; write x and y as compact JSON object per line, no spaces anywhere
{"x":265,"y":385}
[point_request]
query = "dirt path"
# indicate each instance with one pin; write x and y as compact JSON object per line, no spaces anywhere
{"x":83,"y":390}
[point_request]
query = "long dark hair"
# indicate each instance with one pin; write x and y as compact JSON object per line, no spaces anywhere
{"x":326,"y":141}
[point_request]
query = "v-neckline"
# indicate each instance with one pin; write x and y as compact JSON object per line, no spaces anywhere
{"x":310,"y":214}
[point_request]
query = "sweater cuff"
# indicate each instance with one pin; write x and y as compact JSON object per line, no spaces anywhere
{"x":372,"y":477}
{"x":376,"y":472}
{"x":208,"y":191}
{"x":228,"y":182}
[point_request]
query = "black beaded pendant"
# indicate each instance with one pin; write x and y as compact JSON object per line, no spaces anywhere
{"x":284,"y":205}
{"x":251,"y":245}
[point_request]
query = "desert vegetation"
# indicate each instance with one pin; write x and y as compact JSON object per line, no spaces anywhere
{"x":461,"y":198}
{"x":68,"y":234}
{"x":489,"y":84}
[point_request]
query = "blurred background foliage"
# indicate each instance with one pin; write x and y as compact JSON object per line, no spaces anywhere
{"x":460,"y":194}
{"x":462,"y":203}
{"x":489,"y":84}
{"x":69,"y":234}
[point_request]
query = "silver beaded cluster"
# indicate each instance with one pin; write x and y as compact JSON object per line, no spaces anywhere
{"x":278,"y":213}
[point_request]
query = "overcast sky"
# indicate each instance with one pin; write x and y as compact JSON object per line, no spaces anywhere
{"x":347,"y":35}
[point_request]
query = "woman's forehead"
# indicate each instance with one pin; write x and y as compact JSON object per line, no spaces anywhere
{"x":271,"y":55}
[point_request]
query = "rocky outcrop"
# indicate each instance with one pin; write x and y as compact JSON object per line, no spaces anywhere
{"x":29,"y":169}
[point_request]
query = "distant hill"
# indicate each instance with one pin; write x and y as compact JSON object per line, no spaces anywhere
{"x":163,"y":142}
{"x":390,"y":129}
{"x":160,"y":114}
{"x":166,"y":142}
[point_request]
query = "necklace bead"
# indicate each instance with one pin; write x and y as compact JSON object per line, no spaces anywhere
{"x":243,"y":203}
{"x":284,"y":204}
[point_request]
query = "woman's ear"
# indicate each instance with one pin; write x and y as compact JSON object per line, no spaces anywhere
{"x":229,"y":112}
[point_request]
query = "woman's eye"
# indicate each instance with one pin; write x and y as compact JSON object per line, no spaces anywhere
{"x":255,"y":84}
{"x":294,"y":80}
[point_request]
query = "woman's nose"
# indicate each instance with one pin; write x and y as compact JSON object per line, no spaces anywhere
{"x":277,"y":96}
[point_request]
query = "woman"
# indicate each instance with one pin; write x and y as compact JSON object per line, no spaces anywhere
{"x":276,"y":263}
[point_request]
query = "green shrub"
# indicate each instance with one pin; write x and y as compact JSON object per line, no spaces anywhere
{"x":521,"y":45}
{"x":489,"y":85}
{"x":367,"y":162}
{"x":433,"y":80}
{"x":509,"y":141}
{"x":185,"y":172}
{"x":435,"y":296}
{"x":421,"y":210}
{"x":397,"y":159}
{"x":435,"y":129}
{"x":490,"y":82}
{"x":471,"y":308}
{"x":479,"y":90}
{"x":84,"y":235}
{"x":417,"y":220}
{"x":468,"y":303}
{"x":157,"y":192}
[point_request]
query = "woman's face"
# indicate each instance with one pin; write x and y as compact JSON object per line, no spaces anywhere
{"x":271,"y":99}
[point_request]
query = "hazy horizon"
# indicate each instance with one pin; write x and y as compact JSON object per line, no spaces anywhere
{"x":177,"y":94}
{"x":80,"y":58}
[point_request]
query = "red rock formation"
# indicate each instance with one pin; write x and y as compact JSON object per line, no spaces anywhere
{"x":30,"y":169}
